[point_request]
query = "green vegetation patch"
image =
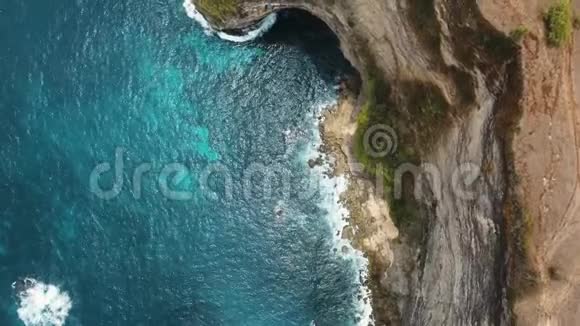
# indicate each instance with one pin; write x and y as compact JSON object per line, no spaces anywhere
{"x":219,"y":10}
{"x":519,"y":33}
{"x":520,"y":228}
{"x":416,"y":124}
{"x":559,"y":23}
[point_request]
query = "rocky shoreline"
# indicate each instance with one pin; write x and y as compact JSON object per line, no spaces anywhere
{"x":512,"y":111}
{"x":370,"y":228}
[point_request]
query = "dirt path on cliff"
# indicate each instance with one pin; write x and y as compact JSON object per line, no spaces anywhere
{"x":560,"y":300}
{"x":547,"y":156}
{"x":561,"y":275}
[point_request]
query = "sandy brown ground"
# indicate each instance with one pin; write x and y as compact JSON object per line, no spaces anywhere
{"x":547,"y":156}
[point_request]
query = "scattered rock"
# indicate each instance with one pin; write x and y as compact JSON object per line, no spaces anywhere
{"x":312,"y":163}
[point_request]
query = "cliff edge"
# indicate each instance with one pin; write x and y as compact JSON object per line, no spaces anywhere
{"x":485,"y":118}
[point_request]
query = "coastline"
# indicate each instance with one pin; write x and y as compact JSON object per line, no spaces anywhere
{"x":344,"y":191}
{"x":369,"y":228}
{"x":333,"y":182}
{"x":246,"y":35}
{"x":461,"y":51}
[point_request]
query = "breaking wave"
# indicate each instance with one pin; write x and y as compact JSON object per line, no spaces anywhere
{"x":41,"y":304}
{"x":338,"y":216}
{"x":264,"y":26}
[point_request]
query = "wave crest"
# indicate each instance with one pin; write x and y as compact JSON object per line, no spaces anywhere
{"x":41,"y":304}
{"x":262,"y":28}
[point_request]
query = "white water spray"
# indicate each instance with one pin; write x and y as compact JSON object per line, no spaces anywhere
{"x":338,"y":214}
{"x":42,"y":304}
{"x":264,"y":26}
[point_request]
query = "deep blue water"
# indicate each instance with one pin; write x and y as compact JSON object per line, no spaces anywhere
{"x":81,"y":79}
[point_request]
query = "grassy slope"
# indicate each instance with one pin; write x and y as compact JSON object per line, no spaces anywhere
{"x":417,"y":126}
{"x":219,"y":10}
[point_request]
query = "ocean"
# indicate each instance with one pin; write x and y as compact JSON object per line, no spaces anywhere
{"x":154,"y":173}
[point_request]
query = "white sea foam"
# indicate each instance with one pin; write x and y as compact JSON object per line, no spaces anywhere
{"x":42,"y":304}
{"x":264,"y":26}
{"x":331,"y":190}
{"x":195,"y":15}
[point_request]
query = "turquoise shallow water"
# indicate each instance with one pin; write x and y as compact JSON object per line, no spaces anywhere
{"x":82,"y":79}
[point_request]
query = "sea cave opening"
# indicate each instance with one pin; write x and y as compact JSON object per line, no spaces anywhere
{"x":307,"y":32}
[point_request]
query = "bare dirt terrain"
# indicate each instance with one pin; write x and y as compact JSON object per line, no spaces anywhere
{"x":547,"y":155}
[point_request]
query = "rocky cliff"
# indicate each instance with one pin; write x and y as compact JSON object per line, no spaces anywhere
{"x":464,"y":99}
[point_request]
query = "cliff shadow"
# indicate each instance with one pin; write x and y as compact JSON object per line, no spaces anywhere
{"x":300,"y":29}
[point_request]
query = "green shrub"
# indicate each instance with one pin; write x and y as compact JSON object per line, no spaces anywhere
{"x":218,"y":9}
{"x":374,"y":111}
{"x":558,"y":21}
{"x":518,"y":34}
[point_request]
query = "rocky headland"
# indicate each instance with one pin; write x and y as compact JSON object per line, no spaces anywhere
{"x":471,"y":217}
